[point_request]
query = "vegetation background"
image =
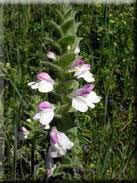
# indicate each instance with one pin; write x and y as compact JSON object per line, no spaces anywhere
{"x":107,"y":133}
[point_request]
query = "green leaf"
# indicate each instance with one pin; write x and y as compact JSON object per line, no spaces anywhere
{"x":67,"y":59}
{"x":76,"y":27}
{"x":66,"y":121}
{"x":57,"y":28}
{"x":1,"y":106}
{"x":56,"y":46}
{"x":67,"y":11}
{"x":67,"y":26}
{"x":73,"y":14}
{"x":60,"y":16}
{"x":55,"y":68}
{"x":67,"y":161}
{"x":77,"y":41}
{"x":71,"y":84}
{"x":70,"y":14}
{"x":67,"y":40}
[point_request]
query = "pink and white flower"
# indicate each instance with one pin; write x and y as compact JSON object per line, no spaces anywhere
{"x":84,"y":98}
{"x":45,"y":114}
{"x":50,"y":166}
{"x":82,"y":70}
{"x":59,"y":143}
{"x":44,"y":83}
{"x":51,"y":55}
{"x":22,"y":133}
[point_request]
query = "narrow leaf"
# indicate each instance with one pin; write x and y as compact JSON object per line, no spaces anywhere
{"x":67,"y":26}
{"x":55,"y":68}
{"x":57,"y":28}
{"x":56,"y":46}
{"x":60,"y":16}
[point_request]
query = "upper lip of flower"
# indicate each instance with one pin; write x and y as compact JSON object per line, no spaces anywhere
{"x":44,"y":105}
{"x":51,"y":55}
{"x":77,"y":63}
{"x":23,"y":129}
{"x":44,"y":76}
{"x":85,"y":90}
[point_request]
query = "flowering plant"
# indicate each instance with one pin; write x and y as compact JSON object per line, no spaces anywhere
{"x":63,"y":93}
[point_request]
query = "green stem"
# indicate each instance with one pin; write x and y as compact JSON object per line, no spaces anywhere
{"x":106,"y":97}
{"x":32,"y":158}
{"x":15,"y":150}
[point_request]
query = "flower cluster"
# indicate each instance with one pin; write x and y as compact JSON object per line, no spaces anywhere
{"x":82,"y":98}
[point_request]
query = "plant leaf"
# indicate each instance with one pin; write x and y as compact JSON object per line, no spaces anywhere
{"x":57,"y":28}
{"x":67,"y":26}
{"x":56,"y":46}
{"x":65,"y":41}
{"x":67,"y":59}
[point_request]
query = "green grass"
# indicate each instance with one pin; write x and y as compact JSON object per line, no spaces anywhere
{"x":108,"y":130}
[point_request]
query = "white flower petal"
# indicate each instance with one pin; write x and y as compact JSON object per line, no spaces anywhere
{"x":92,"y":97}
{"x":77,"y":50}
{"x":90,"y":104}
{"x":36,"y":116}
{"x":87,"y":76}
{"x":79,"y":104}
{"x":51,"y":55}
{"x":25,"y":136}
{"x":79,"y":70}
{"x":31,"y":83}
{"x":47,"y":127}
{"x":45,"y":86}
{"x":64,"y":141}
{"x":34,"y":85}
{"x":78,"y":73}
{"x":56,"y":151}
{"x":53,"y":152}
{"x":46,"y":116}
{"x":72,"y":70}
{"x":62,"y":151}
{"x":28,"y":120}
